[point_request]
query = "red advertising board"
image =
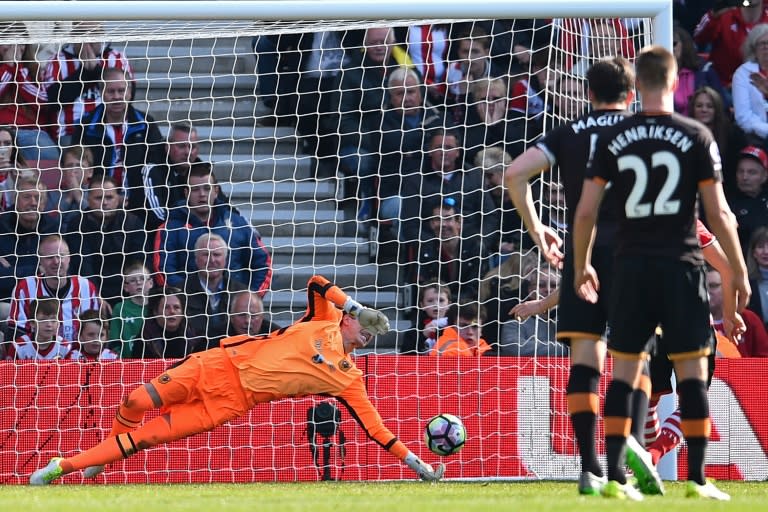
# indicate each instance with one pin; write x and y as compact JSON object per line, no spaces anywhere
{"x":514,"y":410}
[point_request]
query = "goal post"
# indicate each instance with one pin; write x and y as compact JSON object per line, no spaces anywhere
{"x":277,"y":10}
{"x":280,"y":166}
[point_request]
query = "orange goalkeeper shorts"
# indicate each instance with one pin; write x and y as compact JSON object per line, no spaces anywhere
{"x":206,"y":386}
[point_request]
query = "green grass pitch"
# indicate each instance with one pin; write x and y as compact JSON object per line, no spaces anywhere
{"x":360,"y":497}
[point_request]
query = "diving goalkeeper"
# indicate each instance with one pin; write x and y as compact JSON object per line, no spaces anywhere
{"x":310,"y":357}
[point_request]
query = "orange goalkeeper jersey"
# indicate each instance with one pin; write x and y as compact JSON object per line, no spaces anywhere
{"x":308,"y":358}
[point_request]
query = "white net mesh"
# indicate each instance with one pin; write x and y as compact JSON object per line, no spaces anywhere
{"x":309,"y":143}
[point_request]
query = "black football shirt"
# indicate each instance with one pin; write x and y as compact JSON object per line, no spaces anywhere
{"x":653,"y":163}
{"x":569,"y":147}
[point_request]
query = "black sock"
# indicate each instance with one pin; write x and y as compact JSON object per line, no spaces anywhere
{"x":639,"y":412}
{"x":583,"y":382}
{"x":618,"y":407}
{"x":697,"y":451}
{"x":695,"y":424}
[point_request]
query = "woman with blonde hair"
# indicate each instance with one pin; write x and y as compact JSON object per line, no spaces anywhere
{"x":750,"y":87}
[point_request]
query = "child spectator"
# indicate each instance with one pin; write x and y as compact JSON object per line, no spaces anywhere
{"x":128,"y":315}
{"x":434,"y":298}
{"x":92,"y":343}
{"x":461,"y":338}
{"x":42,"y":342}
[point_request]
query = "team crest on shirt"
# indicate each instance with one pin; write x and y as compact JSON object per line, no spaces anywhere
{"x":345,"y":365}
{"x":164,"y":379}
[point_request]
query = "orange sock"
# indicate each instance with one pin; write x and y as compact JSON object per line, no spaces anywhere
{"x":122,"y":446}
{"x":109,"y":450}
{"x":130,"y":413}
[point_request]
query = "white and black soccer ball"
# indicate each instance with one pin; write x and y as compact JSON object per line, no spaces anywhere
{"x":445,"y":434}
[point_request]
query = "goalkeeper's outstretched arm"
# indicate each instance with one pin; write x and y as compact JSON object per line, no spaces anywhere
{"x":355,"y":399}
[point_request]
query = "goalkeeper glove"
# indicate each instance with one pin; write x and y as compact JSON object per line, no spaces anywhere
{"x":424,"y":470}
{"x":371,"y":320}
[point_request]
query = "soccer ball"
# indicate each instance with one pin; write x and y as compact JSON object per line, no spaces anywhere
{"x":445,"y":434}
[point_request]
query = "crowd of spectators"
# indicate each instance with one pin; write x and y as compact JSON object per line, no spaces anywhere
{"x":128,"y":249}
{"x":136,"y":252}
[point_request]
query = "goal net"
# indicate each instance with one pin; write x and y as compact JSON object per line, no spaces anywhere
{"x":385,"y":180}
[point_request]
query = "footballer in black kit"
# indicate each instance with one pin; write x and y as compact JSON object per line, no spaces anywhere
{"x":654,"y":163}
{"x":570,"y":146}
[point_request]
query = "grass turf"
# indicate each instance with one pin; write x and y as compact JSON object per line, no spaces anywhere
{"x":361,"y":497}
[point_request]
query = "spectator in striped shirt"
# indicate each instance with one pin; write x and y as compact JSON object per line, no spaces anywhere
{"x":122,"y":138}
{"x":42,"y":341}
{"x":428,"y":47}
{"x":23,"y":98}
{"x":75,"y":293}
{"x":73,"y":79}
